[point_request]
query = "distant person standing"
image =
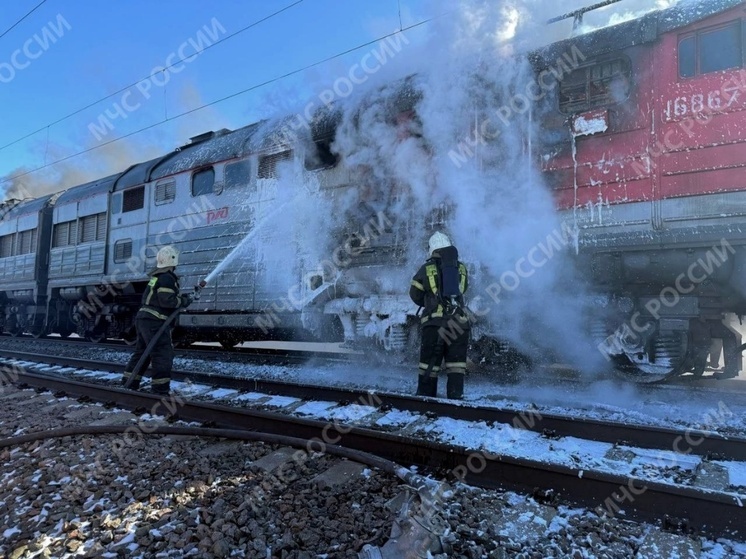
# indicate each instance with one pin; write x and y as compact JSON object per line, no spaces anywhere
{"x":439,"y":286}
{"x":160,"y":299}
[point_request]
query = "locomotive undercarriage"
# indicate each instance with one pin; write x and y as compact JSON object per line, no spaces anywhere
{"x":379,"y":320}
{"x":21,"y":313}
{"x":94,"y":313}
{"x":647,"y":349}
{"x":675,"y":315}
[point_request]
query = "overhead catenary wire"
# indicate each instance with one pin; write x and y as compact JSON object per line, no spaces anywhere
{"x":9,"y":29}
{"x":125,"y":88}
{"x":215,"y":102}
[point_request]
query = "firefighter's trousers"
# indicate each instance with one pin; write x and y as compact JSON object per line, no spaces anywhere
{"x":161,"y":357}
{"x":441,"y":345}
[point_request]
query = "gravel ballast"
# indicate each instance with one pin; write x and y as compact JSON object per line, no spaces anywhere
{"x":170,"y":496}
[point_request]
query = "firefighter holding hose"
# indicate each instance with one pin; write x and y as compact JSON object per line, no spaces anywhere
{"x":160,"y":301}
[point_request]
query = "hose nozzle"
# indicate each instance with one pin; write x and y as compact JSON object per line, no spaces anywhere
{"x":198,"y":288}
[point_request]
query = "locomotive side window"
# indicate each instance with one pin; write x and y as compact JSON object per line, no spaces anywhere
{"x":688,"y":57}
{"x":65,"y":234}
{"x":165,"y":192}
{"x":122,"y":250}
{"x":133,"y":199}
{"x":238,"y":174}
{"x":6,"y":245}
{"x":711,"y":50}
{"x":268,"y":163}
{"x":27,"y":242}
{"x":597,"y":85}
{"x":92,"y":228}
{"x":203,"y":182}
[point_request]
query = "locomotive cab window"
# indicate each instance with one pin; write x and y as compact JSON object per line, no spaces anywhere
{"x":711,"y":50}
{"x":238,"y":174}
{"x":598,"y":85}
{"x":203,"y":182}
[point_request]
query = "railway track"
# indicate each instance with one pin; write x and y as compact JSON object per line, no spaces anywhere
{"x":549,"y":425}
{"x":546,"y":375}
{"x":262,"y":355}
{"x":713,"y":512}
{"x":529,"y":419}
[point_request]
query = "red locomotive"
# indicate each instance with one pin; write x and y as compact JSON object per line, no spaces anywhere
{"x":650,"y":165}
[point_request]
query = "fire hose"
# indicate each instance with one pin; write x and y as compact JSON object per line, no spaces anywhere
{"x":409,"y":532}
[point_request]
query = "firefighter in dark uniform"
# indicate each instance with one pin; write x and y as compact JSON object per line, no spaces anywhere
{"x":439,"y":286}
{"x":160,"y":299}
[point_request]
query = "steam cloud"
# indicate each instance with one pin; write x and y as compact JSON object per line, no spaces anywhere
{"x":495,"y":205}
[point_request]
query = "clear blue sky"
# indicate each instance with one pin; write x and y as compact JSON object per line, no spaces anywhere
{"x":111,"y":44}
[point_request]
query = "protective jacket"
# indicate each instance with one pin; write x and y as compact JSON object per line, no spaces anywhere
{"x":424,"y":291}
{"x":161,"y":295}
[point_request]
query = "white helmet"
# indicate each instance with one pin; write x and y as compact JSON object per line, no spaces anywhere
{"x":168,"y":256}
{"x":438,"y":240}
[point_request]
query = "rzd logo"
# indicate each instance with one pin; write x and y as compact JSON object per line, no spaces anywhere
{"x":214,"y":215}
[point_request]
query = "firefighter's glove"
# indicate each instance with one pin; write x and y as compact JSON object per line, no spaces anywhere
{"x":186,"y":300}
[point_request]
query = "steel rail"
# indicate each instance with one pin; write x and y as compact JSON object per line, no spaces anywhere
{"x":266,"y":355}
{"x":712,"y":513}
{"x":690,"y":441}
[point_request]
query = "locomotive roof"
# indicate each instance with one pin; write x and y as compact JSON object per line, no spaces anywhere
{"x":645,"y":29}
{"x":219,"y":147}
{"x":25,"y":207}
{"x":138,"y":173}
{"x":77,"y":193}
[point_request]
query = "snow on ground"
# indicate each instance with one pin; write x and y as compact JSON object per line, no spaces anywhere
{"x":607,"y":399}
{"x":604,"y":399}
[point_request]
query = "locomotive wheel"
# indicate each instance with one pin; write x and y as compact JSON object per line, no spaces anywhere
{"x":130,"y":336}
{"x":40,"y":333}
{"x":55,"y":328}
{"x":666,"y":359}
{"x":13,"y":327}
{"x":95,"y":337}
{"x":229,"y":341}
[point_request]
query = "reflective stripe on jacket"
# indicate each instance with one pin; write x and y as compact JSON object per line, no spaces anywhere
{"x":424,"y":290}
{"x":161,"y":295}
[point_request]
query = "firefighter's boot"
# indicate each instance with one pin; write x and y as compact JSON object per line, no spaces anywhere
{"x":135,"y":384}
{"x":427,"y":386}
{"x":455,"y":387}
